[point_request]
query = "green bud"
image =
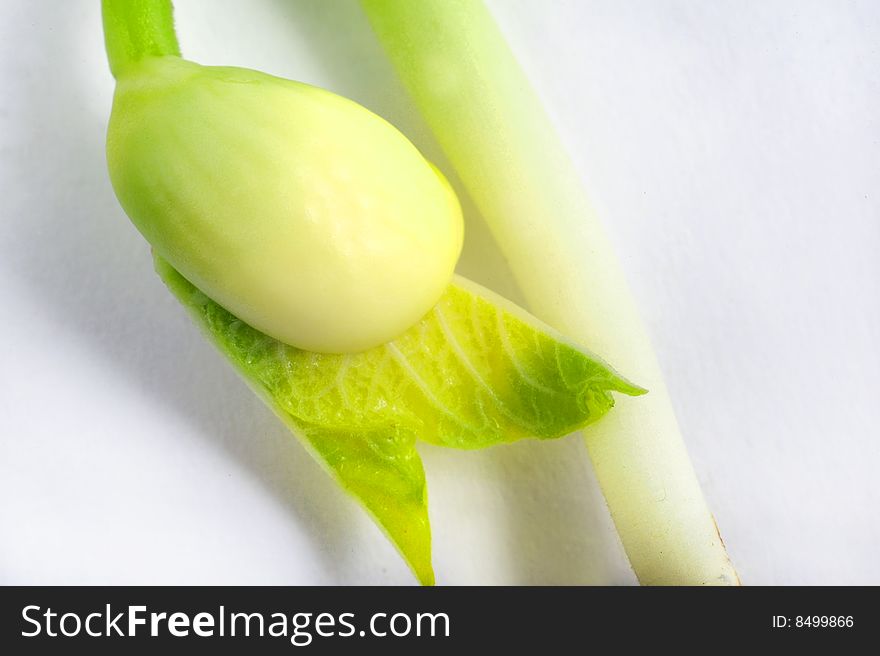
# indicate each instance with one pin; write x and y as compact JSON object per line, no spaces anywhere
{"x":299,"y":211}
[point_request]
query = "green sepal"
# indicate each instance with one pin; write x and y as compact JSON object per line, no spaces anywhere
{"x":475,"y":371}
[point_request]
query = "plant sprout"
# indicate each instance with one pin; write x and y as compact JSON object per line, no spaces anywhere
{"x":314,"y":246}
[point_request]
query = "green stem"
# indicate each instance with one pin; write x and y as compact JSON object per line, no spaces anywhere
{"x":134,"y":29}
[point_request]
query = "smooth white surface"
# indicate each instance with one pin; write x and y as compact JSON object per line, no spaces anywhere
{"x":733,"y":148}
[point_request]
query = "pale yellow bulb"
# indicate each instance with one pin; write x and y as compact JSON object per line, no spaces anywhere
{"x":302,"y":213}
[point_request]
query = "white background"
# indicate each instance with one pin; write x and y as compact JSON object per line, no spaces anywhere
{"x":733,"y":147}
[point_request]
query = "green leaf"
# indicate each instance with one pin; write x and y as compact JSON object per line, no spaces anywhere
{"x":474,"y":372}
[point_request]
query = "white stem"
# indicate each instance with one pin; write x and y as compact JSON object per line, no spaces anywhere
{"x":493,"y":130}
